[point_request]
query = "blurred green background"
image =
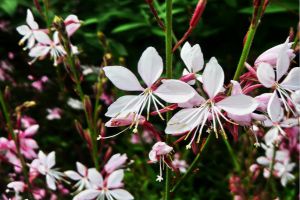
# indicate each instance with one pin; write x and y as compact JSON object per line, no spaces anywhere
{"x":129,"y":28}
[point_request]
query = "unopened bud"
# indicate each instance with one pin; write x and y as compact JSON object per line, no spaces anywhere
{"x":79,"y":128}
{"x":88,"y":106}
{"x":198,"y":12}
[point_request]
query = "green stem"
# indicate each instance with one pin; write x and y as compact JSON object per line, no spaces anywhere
{"x":232,"y":155}
{"x":168,"y":43}
{"x":256,"y":16}
{"x":245,"y":52}
{"x":192,"y":166}
{"x":14,"y":137}
{"x":71,"y":60}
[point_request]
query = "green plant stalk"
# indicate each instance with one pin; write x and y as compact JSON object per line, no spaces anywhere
{"x":169,"y":55}
{"x":232,"y":155}
{"x":14,"y":137}
{"x":71,"y":61}
{"x":193,"y":165}
{"x":249,"y":40}
{"x":245,"y":52}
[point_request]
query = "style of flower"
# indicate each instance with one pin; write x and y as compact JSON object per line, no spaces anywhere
{"x":150,"y":68}
{"x":276,"y":114}
{"x":47,"y":46}
{"x":54,"y":113}
{"x":110,"y":188}
{"x":115,"y":162}
{"x":159,"y":152}
{"x":28,"y":31}
{"x":193,"y":119}
{"x":81,"y":176}
{"x":270,"y":79}
{"x":44,"y":165}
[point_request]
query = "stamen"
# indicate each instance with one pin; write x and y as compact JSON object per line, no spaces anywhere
{"x":100,"y":137}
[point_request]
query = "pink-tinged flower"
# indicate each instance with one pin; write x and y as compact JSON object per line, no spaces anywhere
{"x":266,"y":161}
{"x":276,"y":114}
{"x":44,"y":165}
{"x":81,"y":176}
{"x":47,"y":46}
{"x":190,"y":120}
{"x":27,"y":121}
{"x":270,"y":79}
{"x":150,"y":68}
{"x":27,"y":144}
{"x":117,"y":161}
{"x":271,"y":55}
{"x":284,"y":170}
{"x":110,"y":188}
{"x":54,"y":113}
{"x":39,"y":83}
{"x":72,"y":24}
{"x":159,"y":152}
{"x":179,"y":164}
{"x":18,"y":187}
{"x":28,"y":31}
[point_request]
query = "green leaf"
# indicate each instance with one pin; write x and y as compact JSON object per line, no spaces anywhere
{"x":9,"y":6}
{"x":232,"y":3}
{"x":273,"y":8}
{"x":129,"y":26}
{"x":90,"y":21}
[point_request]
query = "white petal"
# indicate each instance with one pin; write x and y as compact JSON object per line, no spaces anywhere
{"x":39,"y":50}
{"x":150,"y":66}
{"x":122,"y":78}
{"x":263,"y":161}
{"x":274,"y":108}
{"x":175,"y":91}
{"x":73,"y":175}
{"x":42,"y":37}
{"x":265,"y":74}
{"x":51,"y":159}
{"x":236,"y":88}
{"x":32,"y":130}
{"x":115,"y":179}
{"x":213,"y":78}
{"x":238,"y":104}
{"x":50,"y":182}
{"x":196,"y":100}
{"x":87,"y":195}
{"x":120,"y":194}
{"x":95,"y":177}
{"x":292,"y":81}
{"x":192,"y":57}
{"x":178,"y":123}
{"x":81,"y":169}
{"x":126,"y":104}
{"x":283,"y":61}
{"x":23,"y":30}
{"x":271,"y":136}
{"x":30,"y":20}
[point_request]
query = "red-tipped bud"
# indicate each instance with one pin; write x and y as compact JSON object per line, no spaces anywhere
{"x":38,"y":7}
{"x":88,"y":106}
{"x":79,"y":128}
{"x":198,"y":13}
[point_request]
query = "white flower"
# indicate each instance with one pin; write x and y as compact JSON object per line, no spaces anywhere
{"x":101,"y":189}
{"x":75,"y":104}
{"x":81,"y":176}
{"x":28,"y":31}
{"x":194,"y":119}
{"x":276,"y":114}
{"x":150,"y":67}
{"x":44,"y":164}
{"x":115,"y":162}
{"x":283,"y":171}
{"x":270,"y":79}
{"x":45,"y":46}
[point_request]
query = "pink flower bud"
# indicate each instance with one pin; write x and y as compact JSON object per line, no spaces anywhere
{"x":159,"y":149}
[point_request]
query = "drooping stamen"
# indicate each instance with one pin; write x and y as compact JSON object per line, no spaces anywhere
{"x":100,"y":137}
